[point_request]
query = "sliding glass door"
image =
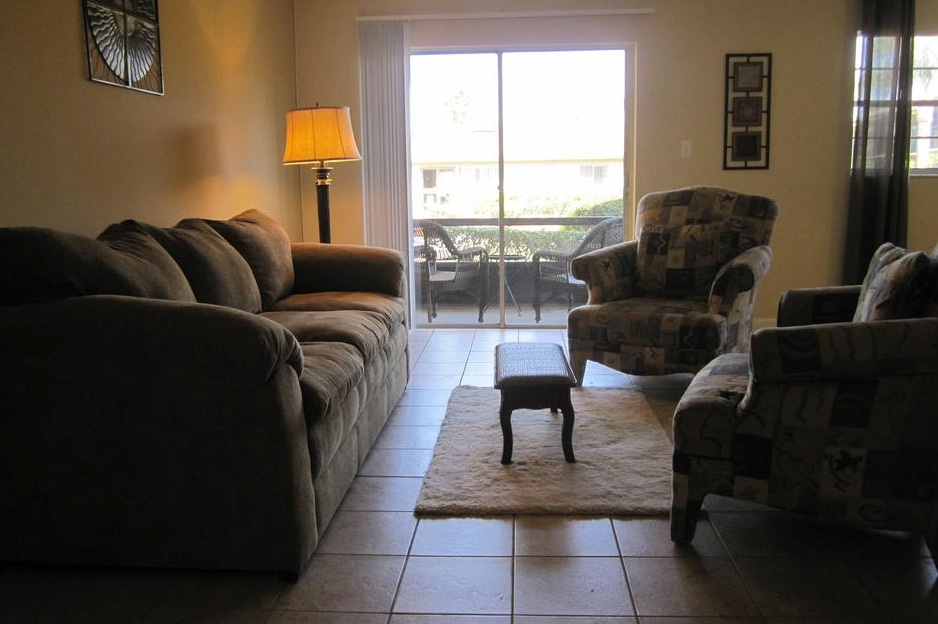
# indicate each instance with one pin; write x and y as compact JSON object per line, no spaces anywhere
{"x":517,"y":162}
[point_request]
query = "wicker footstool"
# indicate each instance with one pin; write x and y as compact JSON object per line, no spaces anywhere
{"x":534,"y":375}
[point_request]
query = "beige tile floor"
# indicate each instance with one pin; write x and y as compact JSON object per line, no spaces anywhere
{"x":378,"y":564}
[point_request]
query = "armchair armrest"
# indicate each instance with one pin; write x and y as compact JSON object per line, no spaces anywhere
{"x":738,"y":276}
{"x":468,"y":252}
{"x":609,"y":272}
{"x":463,"y":255}
{"x":810,"y":306}
{"x":838,"y":351}
{"x":550,"y":256}
{"x":182,"y":423}
{"x":321,"y":267}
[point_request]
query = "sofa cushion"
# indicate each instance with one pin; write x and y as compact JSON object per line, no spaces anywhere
{"x":330,"y":371}
{"x":392,"y":309}
{"x":679,"y":261}
{"x":896,"y":286}
{"x":366,"y":331}
{"x":39,"y":264}
{"x":265,"y":245}
{"x":217,"y":273}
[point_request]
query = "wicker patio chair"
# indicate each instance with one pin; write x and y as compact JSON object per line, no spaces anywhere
{"x":552,"y":276}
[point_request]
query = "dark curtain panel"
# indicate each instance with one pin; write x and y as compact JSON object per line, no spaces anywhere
{"x":879,"y":180}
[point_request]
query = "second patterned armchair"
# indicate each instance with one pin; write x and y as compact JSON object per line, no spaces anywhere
{"x":683,"y":292}
{"x":831,"y":414}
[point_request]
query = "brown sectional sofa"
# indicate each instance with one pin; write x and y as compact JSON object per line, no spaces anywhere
{"x":198,"y":396}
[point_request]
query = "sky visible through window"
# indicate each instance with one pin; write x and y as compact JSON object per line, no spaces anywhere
{"x":562,"y":118}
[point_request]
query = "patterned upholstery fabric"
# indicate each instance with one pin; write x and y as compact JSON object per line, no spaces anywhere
{"x":895,"y":286}
{"x":679,"y":261}
{"x":835,"y":420}
{"x":683,"y":292}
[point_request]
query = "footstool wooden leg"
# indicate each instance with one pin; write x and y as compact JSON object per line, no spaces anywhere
{"x":504,"y":415}
{"x":566,"y":433}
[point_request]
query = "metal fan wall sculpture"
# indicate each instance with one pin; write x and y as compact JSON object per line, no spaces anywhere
{"x":123,"y":41}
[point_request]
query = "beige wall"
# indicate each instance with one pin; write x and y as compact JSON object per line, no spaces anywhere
{"x":680,"y":57}
{"x":78,"y":155}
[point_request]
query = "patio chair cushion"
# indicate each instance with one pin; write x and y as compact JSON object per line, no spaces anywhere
{"x":896,"y":285}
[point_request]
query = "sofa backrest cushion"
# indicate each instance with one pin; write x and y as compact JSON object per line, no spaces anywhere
{"x":217,"y":273}
{"x":39,"y":264}
{"x":265,"y":246}
{"x":897,"y":285}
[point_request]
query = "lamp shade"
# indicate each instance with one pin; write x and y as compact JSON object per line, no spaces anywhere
{"x":319,"y":135}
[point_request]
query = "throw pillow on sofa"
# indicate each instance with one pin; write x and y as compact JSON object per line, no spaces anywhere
{"x":39,"y":264}
{"x":265,"y":245}
{"x":217,"y":273}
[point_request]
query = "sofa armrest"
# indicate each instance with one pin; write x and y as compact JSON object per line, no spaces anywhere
{"x":110,"y":338}
{"x":810,"y":306}
{"x":840,"y":351}
{"x":609,"y":272}
{"x":182,"y":424}
{"x":321,"y":267}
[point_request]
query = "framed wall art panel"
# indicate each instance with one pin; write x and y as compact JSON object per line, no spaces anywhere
{"x":747,"y":111}
{"x":123,"y":43}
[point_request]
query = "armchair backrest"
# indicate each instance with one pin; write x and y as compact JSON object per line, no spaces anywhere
{"x":686,"y":236}
{"x":434,"y":236}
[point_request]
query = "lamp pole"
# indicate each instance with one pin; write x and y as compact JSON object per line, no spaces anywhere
{"x":323,"y":182}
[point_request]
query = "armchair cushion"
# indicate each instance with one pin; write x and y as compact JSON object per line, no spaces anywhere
{"x":897,"y":285}
{"x":663,"y":335}
{"x":679,"y":261}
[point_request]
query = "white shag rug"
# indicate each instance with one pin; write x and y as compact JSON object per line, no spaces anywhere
{"x":623,"y":455}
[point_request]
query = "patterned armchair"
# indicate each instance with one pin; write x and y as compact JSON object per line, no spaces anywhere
{"x":552,"y":276}
{"x":446,"y":270}
{"x":683,"y":292}
{"x":832,"y":414}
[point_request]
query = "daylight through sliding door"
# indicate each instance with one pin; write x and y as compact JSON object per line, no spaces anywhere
{"x":517,"y":166}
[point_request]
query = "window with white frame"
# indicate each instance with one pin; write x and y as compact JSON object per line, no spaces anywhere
{"x":923,"y":150}
{"x":923,"y":154}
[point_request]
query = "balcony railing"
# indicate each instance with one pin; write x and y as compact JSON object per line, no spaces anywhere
{"x":524,"y":236}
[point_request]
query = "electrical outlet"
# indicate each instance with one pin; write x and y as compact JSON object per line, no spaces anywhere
{"x":685,"y":149}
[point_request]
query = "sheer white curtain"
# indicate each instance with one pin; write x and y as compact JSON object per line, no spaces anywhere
{"x":383,"y":52}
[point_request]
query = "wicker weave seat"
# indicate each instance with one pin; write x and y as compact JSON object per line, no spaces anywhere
{"x":534,"y":375}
